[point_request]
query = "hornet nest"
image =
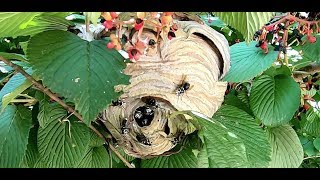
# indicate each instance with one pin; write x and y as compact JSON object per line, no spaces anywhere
{"x":174,"y":75}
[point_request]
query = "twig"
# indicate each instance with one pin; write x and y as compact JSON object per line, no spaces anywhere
{"x":22,"y":100}
{"x":58,"y":100}
{"x":285,"y":45}
{"x":311,"y":157}
{"x":120,"y":156}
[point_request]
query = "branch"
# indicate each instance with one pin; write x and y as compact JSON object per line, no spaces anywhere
{"x":311,"y":157}
{"x":63,"y":104}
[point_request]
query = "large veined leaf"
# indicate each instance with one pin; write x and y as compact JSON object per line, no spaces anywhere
{"x":312,"y":50}
{"x":86,"y":72}
{"x":57,"y":14}
{"x":32,"y":153}
{"x":12,"y":23}
{"x":312,"y":124}
{"x":93,"y":16}
{"x":233,"y":100}
{"x":96,"y":157}
{"x":29,"y":23}
{"x":248,"y":61}
{"x":15,"y":124}
{"x":46,"y":22}
{"x":286,"y":148}
{"x":258,"y":149}
{"x":63,"y":143}
{"x":118,"y":162}
{"x":245,"y":22}
{"x":49,"y":111}
{"x":274,"y":100}
{"x":16,"y":85}
{"x":222,"y":147}
{"x":183,"y":159}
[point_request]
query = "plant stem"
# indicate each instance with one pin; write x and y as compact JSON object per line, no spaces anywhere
{"x":289,"y":16}
{"x":285,"y":39}
{"x":63,"y":104}
{"x":311,"y":157}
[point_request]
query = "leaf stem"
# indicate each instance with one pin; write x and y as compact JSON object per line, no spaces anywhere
{"x":63,"y":104}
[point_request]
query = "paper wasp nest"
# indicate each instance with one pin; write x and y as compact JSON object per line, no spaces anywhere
{"x":175,"y":75}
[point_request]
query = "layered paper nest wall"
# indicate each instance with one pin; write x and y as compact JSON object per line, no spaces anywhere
{"x":198,"y":53}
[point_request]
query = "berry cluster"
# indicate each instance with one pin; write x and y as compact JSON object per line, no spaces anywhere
{"x":161,"y":23}
{"x":277,"y":31}
{"x":310,"y":81}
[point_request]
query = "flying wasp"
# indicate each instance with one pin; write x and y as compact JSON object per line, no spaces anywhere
{"x":183,"y":87}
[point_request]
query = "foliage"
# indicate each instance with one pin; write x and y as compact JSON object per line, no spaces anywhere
{"x":270,"y":116}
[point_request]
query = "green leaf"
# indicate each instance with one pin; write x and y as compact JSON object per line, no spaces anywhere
{"x":32,"y":153}
{"x":316,"y":143}
{"x":274,"y":100}
{"x":57,"y":14}
{"x":93,"y":16}
{"x":311,"y":126}
{"x":309,"y":149}
{"x":29,"y":23}
{"x":15,"y":86}
{"x":123,"y":154}
{"x":183,"y":159}
{"x":222,"y":147}
{"x":214,"y":21}
{"x":273,"y":71}
{"x":246,"y":22}
{"x":286,"y":148}
{"x":248,"y":61}
{"x":243,"y":96}
{"x":13,"y":56}
{"x":96,"y":157}
{"x":244,"y":126}
{"x":15,"y":124}
{"x":47,"y":22}
{"x":312,"y":50}
{"x":62,"y":144}
{"x":12,"y":23}
{"x":85,"y":72}
{"x":95,"y":140}
{"x":48,"y":111}
{"x":233,"y":100}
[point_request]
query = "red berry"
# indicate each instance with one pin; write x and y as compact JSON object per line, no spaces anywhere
{"x":133,"y":54}
{"x":171,"y":35}
{"x":110,"y":45}
{"x":269,"y":28}
{"x":306,"y":106}
{"x":138,"y":24}
{"x":108,"y":24}
{"x":311,"y":39}
{"x":174,"y":27}
{"x":113,"y":15}
{"x":264,"y":45}
{"x":291,"y":19}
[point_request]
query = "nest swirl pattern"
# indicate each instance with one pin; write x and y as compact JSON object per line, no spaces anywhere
{"x":180,"y":74}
